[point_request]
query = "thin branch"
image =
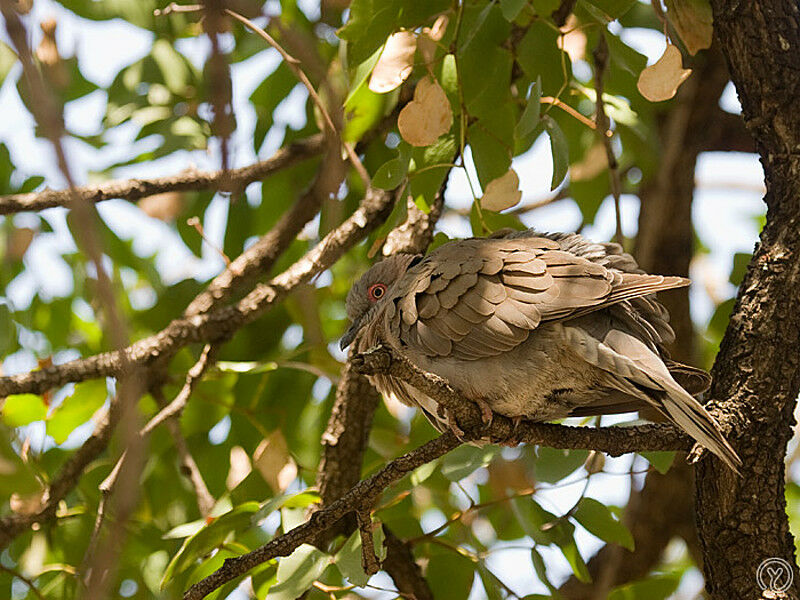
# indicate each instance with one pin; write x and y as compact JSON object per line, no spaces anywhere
{"x":600,"y":55}
{"x":261,"y":256}
{"x":365,"y":492}
{"x":193,"y":377}
{"x":188,"y":180}
{"x":205,"y":501}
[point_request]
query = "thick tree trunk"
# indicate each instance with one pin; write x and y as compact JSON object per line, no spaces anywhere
{"x":742,"y":520}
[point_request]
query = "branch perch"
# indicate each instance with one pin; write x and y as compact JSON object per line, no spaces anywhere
{"x":614,"y":441}
{"x":186,"y":181}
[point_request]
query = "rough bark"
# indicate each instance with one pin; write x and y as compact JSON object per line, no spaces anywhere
{"x":742,"y":520}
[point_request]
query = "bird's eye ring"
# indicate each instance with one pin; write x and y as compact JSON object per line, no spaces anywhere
{"x":376,"y":291}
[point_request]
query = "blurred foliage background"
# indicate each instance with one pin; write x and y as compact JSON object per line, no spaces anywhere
{"x":520,"y":82}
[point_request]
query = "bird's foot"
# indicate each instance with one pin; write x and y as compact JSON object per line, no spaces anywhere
{"x":448,"y":417}
{"x":487,"y":416}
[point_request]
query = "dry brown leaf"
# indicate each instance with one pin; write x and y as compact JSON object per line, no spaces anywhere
{"x":395,"y":63}
{"x":429,"y":37}
{"x":502,"y":193}
{"x":693,"y":21}
{"x":427,"y":116}
{"x":240,"y":467}
{"x":18,"y":242}
{"x":164,"y":207}
{"x":273,"y":461}
{"x":661,"y":80}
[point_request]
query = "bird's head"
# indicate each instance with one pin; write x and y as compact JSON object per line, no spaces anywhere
{"x":373,"y":287}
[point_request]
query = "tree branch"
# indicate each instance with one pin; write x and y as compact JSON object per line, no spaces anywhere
{"x":219,"y":324}
{"x":365,"y":492}
{"x":188,"y":180}
{"x":611,"y":440}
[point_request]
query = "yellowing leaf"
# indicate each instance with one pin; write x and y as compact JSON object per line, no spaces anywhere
{"x":240,"y":467}
{"x":428,"y":38}
{"x":273,"y":461}
{"x":428,"y":116}
{"x":502,"y":193}
{"x":661,"y":80}
{"x":395,"y":63}
{"x":693,"y":21}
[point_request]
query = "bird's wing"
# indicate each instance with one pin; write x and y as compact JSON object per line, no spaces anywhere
{"x":482,"y":297}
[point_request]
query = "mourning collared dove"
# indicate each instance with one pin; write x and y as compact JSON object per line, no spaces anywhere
{"x":532,"y":325}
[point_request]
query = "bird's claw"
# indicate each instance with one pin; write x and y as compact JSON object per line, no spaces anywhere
{"x":513,"y":441}
{"x":452,"y":424}
{"x":487,"y":416}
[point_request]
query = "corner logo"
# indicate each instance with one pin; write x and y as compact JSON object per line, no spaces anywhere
{"x":774,"y":575}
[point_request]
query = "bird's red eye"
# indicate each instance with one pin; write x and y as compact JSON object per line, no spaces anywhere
{"x":376,"y":291}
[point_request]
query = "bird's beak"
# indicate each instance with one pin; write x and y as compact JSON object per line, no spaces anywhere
{"x":350,"y":335}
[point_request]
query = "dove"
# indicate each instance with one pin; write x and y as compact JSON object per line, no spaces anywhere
{"x":535,"y":326}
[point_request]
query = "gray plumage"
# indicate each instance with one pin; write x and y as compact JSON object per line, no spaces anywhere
{"x":534,"y":325}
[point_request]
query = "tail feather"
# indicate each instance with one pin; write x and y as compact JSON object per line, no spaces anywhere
{"x":640,"y":373}
{"x":688,"y":414}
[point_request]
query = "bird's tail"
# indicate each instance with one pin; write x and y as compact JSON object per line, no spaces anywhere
{"x":688,"y":414}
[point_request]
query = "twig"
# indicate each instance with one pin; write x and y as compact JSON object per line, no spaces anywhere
{"x":294,"y":66}
{"x":569,"y":110}
{"x":193,"y":377}
{"x":205,"y":501}
{"x":600,"y":55}
{"x":366,"y":491}
{"x":369,"y":560}
{"x":29,"y":582}
{"x":188,"y":180}
{"x":198,"y":227}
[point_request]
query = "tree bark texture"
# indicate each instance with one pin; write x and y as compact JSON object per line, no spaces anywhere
{"x":742,"y":519}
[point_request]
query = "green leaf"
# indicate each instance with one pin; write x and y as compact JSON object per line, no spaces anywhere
{"x":8,"y":59}
{"x":21,"y":409}
{"x":297,"y":572}
{"x":530,"y":116}
{"x":348,"y":559}
{"x":624,"y":56}
{"x":471,"y":30}
{"x":657,"y":587}
{"x":539,"y":56}
{"x":612,"y":9}
{"x":362,"y":72}
{"x":369,"y":24}
{"x":575,"y":560}
{"x":660,"y":460}
{"x":391,"y":173}
{"x":512,"y":8}
{"x":17,"y":476}
{"x":8,"y":331}
{"x":76,"y":409}
{"x":599,"y":521}
{"x":450,"y":576}
{"x":465,"y":459}
{"x":208,"y":538}
{"x":490,"y":583}
{"x":553,"y":464}
{"x":541,"y":571}
{"x":559,"y":149}
{"x":173,"y":66}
